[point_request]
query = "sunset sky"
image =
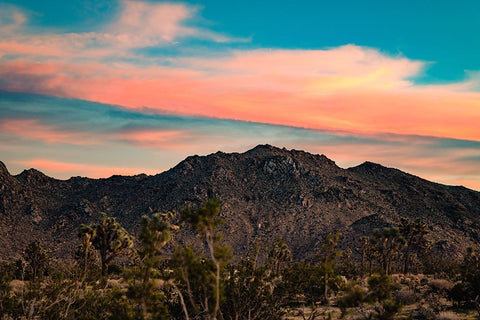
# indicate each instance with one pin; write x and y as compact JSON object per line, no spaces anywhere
{"x":95,"y":88}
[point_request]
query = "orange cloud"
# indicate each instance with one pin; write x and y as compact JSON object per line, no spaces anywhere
{"x":349,"y":88}
{"x":74,"y":169}
{"x":157,"y":138}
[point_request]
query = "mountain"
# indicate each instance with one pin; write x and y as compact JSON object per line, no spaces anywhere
{"x":266,"y":193}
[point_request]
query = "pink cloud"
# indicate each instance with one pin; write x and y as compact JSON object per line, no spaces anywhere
{"x":32,"y":129}
{"x":139,"y":24}
{"x":11,"y":19}
{"x":74,"y":169}
{"x":146,"y":23}
{"x":157,"y":138}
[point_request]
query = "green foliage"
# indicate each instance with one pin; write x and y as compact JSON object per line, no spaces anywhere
{"x":302,"y":283}
{"x":37,"y":259}
{"x":347,"y":265}
{"x":388,"y":243}
{"x":414,"y":234}
{"x":380,"y":287}
{"x":108,"y":237}
{"x":308,"y":283}
{"x":156,"y":232}
{"x":279,"y":256}
{"x":203,"y":271}
{"x":328,"y":261}
{"x":86,"y":262}
{"x":387,"y":310}
{"x":200,"y":282}
{"x":195,"y":278}
{"x":205,"y":218}
{"x":380,"y":290}
{"x":353,"y":296}
{"x":440,"y":265}
{"x":467,"y":293}
{"x":103,"y":304}
{"x":250,"y":292}
{"x":368,"y":254}
{"x":8,"y":303}
{"x":154,"y":235}
{"x":85,"y":254}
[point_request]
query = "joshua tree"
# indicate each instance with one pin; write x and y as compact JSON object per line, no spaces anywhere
{"x":368,"y":253}
{"x":389,"y":242}
{"x":414,"y":234}
{"x":156,"y":232}
{"x":36,"y":257}
{"x":206,"y":220}
{"x":279,"y":254}
{"x":109,"y":238}
{"x":328,"y":258}
{"x":85,"y":253}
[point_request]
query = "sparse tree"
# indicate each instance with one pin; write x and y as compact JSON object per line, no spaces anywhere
{"x":156,"y":232}
{"x":415,"y":242}
{"x":389,"y":242}
{"x":368,"y":254}
{"x":467,"y":292}
{"x":250,"y":292}
{"x":279,"y":254}
{"x":37,"y":258}
{"x":109,"y":238}
{"x":328,"y":260}
{"x":85,"y":252}
{"x":205,"y":220}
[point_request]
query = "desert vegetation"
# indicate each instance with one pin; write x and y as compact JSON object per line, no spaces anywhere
{"x":392,"y":273}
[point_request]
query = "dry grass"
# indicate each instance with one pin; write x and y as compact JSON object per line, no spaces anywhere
{"x":416,"y":292}
{"x":448,"y":315}
{"x":17,"y":286}
{"x":441,"y":284}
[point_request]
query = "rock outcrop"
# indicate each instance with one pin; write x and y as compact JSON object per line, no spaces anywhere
{"x":266,"y":193}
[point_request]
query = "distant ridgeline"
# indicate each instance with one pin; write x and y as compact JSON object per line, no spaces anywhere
{"x":266,"y":194}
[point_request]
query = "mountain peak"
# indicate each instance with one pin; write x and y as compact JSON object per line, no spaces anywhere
{"x":300,"y":155}
{"x":3,"y":169}
{"x":265,"y":148}
{"x":31,"y":172}
{"x":32,"y":175}
{"x":368,"y":164}
{"x":372,"y":167}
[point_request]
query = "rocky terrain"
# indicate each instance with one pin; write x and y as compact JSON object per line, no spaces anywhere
{"x":266,"y":193}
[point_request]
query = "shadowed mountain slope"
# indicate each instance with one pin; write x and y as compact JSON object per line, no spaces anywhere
{"x":266,"y":193}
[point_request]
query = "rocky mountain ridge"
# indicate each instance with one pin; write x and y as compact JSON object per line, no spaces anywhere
{"x":266,"y":193}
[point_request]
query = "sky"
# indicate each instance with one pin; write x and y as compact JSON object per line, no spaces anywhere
{"x":101,"y":87}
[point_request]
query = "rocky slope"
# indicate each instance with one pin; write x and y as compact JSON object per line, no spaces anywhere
{"x":267,"y":193}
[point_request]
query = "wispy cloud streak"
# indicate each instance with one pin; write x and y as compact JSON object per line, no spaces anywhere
{"x":77,"y":169}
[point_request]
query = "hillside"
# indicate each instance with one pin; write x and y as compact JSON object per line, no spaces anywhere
{"x":267,"y":193}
